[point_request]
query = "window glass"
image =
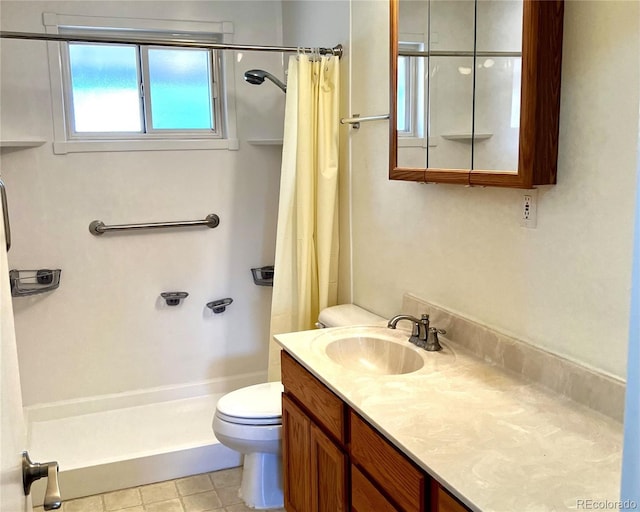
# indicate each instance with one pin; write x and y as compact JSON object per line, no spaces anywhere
{"x":180,"y":89}
{"x":104,"y":88}
{"x":403,"y":84}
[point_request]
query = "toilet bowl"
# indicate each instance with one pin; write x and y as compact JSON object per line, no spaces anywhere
{"x":249,"y":420}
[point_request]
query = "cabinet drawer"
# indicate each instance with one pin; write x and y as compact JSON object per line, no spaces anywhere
{"x":391,"y":470}
{"x":325,"y":407}
{"x":364,"y":495}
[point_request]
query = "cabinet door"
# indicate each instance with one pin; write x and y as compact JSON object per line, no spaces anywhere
{"x":296,"y":455}
{"x":315,"y":468}
{"x":328,"y":474}
{"x":475,"y":91}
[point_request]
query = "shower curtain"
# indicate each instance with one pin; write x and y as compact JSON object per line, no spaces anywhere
{"x":306,"y":261}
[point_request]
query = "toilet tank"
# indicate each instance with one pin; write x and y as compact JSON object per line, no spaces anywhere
{"x":347,"y":314}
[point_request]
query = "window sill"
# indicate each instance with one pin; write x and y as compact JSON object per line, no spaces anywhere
{"x":84,"y":146}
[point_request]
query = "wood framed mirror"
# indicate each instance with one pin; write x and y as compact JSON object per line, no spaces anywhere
{"x":475,"y":91}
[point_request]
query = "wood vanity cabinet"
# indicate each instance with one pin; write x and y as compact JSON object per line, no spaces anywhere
{"x":315,"y":461}
{"x":334,"y":461}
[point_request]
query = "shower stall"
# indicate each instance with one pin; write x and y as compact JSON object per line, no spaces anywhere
{"x":118,"y":385}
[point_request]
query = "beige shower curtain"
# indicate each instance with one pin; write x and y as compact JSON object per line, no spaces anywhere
{"x":306,"y":262}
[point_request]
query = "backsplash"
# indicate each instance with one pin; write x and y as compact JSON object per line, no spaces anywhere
{"x":584,"y":385}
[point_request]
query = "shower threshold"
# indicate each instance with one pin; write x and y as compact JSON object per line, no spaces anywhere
{"x":120,"y":448}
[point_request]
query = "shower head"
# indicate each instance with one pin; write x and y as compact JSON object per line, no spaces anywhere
{"x":257,"y":76}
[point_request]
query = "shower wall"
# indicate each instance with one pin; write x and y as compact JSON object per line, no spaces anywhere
{"x":105,"y":330}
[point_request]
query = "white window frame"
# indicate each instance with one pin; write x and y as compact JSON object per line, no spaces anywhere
{"x":416,"y":96}
{"x":67,"y":142}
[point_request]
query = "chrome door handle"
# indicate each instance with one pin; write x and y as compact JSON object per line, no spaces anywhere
{"x":32,"y":471}
{"x":5,"y":214}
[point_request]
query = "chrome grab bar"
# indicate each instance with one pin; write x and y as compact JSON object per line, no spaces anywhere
{"x":5,"y":214}
{"x":356,"y":120}
{"x":97,"y":227}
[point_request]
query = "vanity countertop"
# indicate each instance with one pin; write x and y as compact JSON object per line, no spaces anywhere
{"x":497,"y":442}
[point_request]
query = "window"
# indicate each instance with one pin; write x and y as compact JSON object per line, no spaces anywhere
{"x":127,"y":96}
{"x":411,"y":93}
{"x":115,"y":89}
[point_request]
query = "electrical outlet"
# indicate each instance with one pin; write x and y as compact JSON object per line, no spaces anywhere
{"x":529,"y":216}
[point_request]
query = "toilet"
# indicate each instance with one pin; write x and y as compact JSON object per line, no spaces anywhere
{"x":249,"y":421}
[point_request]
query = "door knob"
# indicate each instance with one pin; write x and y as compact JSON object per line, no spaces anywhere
{"x":32,"y":471}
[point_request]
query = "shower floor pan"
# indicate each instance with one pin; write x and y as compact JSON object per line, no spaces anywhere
{"x":121,"y":448}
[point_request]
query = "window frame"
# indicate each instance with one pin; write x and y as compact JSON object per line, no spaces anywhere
{"x":66,"y":140}
{"x":416,"y":102}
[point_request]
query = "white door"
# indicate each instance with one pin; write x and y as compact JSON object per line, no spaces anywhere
{"x":13,"y":439}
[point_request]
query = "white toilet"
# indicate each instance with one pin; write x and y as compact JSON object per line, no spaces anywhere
{"x":249,"y":420}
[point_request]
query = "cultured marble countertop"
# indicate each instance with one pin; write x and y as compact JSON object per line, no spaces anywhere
{"x":496,"y":442}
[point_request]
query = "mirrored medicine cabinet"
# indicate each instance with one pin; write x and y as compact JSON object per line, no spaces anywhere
{"x":475,"y":91}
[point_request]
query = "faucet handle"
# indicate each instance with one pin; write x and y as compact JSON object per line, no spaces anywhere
{"x":433,"y":344}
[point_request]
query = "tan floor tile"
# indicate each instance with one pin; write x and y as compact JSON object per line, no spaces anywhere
{"x":89,"y":504}
{"x":229,"y":495}
{"x":139,"y":508}
{"x":194,"y":484}
{"x":202,"y":502}
{"x":227,"y":477}
{"x":241,"y":507}
{"x":158,"y":492}
{"x":165,"y":506}
{"x":38,"y":509}
{"x":126,"y":498}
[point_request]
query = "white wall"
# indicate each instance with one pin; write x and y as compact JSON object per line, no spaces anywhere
{"x":563,"y":286}
{"x":105,"y":330}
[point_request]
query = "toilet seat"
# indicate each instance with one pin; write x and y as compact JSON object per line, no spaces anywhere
{"x":260,"y":404}
{"x":276,"y":420}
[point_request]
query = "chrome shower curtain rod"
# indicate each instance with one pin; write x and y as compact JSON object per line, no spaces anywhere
{"x":38,"y":36}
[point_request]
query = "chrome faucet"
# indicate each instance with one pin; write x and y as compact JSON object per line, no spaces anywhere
{"x":422,"y":335}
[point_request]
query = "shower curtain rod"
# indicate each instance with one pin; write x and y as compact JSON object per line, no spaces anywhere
{"x":38,"y":36}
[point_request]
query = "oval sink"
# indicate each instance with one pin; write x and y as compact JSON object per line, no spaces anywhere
{"x":377,"y":355}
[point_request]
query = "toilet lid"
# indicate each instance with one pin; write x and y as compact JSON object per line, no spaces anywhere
{"x":261,"y":401}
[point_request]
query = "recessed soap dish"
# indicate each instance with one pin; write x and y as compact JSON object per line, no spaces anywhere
{"x":174,"y":298}
{"x":33,"y":282}
{"x":219,"y":306}
{"x":263,"y":276}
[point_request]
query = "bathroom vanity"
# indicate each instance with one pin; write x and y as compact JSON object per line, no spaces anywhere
{"x":333,"y":457}
{"x":456,"y":434}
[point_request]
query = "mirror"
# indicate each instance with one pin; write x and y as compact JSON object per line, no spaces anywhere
{"x":456,"y":77}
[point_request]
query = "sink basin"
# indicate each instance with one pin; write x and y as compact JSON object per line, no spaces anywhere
{"x":372,"y":351}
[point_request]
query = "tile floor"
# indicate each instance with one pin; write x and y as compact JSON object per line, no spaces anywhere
{"x":217,"y":491}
